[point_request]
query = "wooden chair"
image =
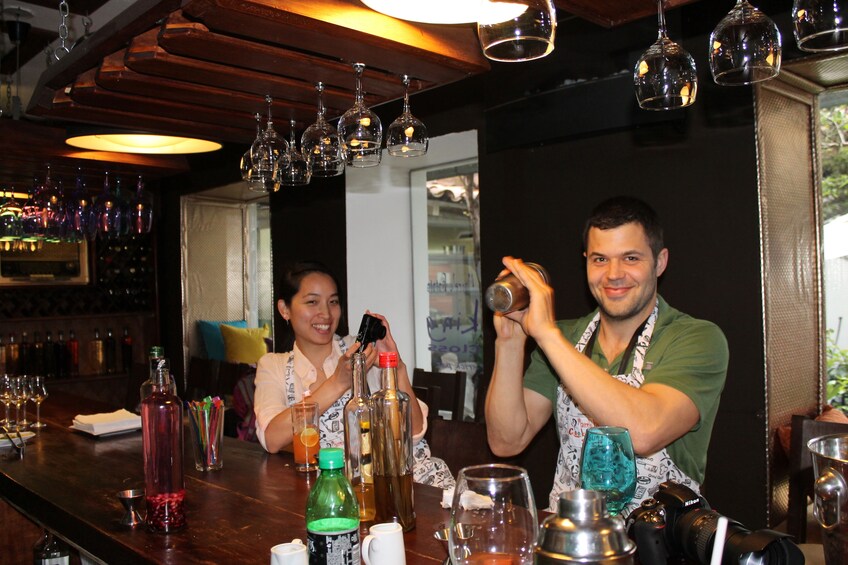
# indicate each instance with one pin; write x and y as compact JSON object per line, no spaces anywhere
{"x":801,"y":477}
{"x":460,"y":444}
{"x":451,"y":390}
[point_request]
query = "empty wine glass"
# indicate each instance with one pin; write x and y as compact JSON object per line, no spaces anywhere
{"x":320,"y":144}
{"x":493,"y":516}
{"x":107,"y":212}
{"x":608,"y":465}
{"x":268,"y":153}
{"x":31,"y":218}
{"x":80,"y":210}
{"x":360,"y":130}
{"x":248,"y":173}
{"x":140,"y":210}
{"x":7,"y":396}
{"x":10,"y":218}
{"x":665,"y":76}
{"x":49,"y":198}
{"x":37,"y":393}
{"x":820,"y":25}
{"x":517,"y":31}
{"x":296,"y":171}
{"x":407,"y":135}
{"x":20,"y":392}
{"x":745,"y":47}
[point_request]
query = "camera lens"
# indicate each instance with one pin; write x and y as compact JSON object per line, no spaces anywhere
{"x":695,"y":533}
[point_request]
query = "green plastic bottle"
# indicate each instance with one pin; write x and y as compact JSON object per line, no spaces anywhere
{"x":332,"y":513}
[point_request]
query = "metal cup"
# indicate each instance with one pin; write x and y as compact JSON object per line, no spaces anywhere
{"x":131,"y":500}
{"x":507,"y":294}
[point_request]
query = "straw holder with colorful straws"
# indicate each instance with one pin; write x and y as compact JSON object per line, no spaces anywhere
{"x":206,"y":418}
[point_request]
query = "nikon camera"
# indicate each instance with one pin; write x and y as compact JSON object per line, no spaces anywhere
{"x":679,"y":524}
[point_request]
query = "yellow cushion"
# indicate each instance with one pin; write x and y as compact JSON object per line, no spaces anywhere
{"x":244,"y":345}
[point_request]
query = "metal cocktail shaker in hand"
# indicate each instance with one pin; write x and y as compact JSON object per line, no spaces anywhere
{"x":507,"y":294}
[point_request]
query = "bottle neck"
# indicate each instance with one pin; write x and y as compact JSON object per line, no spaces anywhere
{"x":359,"y":382}
{"x":388,"y":378}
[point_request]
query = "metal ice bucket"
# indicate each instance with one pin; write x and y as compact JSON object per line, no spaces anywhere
{"x":830,"y":463}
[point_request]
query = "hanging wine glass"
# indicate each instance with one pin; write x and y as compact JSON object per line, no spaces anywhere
{"x":122,"y":209}
{"x":665,"y":76}
{"x":320,"y":144}
{"x":745,"y":47}
{"x":820,"y":25}
{"x":407,"y":135}
{"x":360,"y":130}
{"x":248,"y":173}
{"x":297,"y":171}
{"x":517,"y":31}
{"x":81,"y":210}
{"x":10,"y":219}
{"x":140,"y":210}
{"x":48,"y":198}
{"x":31,"y":217}
{"x":268,"y":152}
{"x":107,"y":212}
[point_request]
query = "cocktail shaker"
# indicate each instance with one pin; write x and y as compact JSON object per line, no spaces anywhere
{"x":507,"y":294}
{"x":582,"y":531}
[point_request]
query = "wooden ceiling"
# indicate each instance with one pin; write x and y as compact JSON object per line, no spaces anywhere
{"x":203,"y":67}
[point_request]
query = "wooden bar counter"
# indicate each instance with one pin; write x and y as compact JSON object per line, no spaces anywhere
{"x":68,"y":483}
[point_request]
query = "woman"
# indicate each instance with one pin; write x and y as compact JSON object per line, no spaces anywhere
{"x":319,"y":361}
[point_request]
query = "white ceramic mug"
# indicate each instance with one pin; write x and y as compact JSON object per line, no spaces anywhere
{"x":293,"y":553}
{"x":384,"y":545}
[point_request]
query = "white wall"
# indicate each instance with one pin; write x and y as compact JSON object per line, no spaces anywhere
{"x":379,"y":240}
{"x":836,"y":277}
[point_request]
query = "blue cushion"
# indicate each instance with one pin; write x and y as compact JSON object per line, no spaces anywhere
{"x":213,"y":342}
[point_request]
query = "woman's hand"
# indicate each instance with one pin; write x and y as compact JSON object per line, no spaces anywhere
{"x":388,"y":342}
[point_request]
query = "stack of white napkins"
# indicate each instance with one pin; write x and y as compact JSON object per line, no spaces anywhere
{"x":469,"y":500}
{"x":110,"y":422}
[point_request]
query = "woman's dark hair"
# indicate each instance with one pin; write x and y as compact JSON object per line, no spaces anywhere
{"x":289,"y":284}
{"x":620,"y":210}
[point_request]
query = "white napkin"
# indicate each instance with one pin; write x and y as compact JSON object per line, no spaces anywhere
{"x":107,"y":422}
{"x":469,"y":500}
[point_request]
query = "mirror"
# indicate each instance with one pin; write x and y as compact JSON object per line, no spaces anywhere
{"x":44,"y":263}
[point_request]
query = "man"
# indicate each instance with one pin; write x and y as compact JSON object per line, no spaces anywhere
{"x":635,"y":362}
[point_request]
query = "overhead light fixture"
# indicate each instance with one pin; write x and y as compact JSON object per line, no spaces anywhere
{"x":138,"y":142}
{"x":447,"y":11}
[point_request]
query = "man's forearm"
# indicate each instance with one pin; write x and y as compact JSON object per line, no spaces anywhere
{"x":506,"y":413}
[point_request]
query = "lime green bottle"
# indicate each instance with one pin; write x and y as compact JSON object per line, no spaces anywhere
{"x":332,"y":513}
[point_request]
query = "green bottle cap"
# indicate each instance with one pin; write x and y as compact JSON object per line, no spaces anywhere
{"x":157,"y":351}
{"x":331,"y":458}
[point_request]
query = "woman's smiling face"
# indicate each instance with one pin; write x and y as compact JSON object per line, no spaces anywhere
{"x":314,"y":311}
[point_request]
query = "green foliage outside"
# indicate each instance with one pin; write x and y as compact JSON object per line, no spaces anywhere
{"x":833,"y":130}
{"x":837,"y":373}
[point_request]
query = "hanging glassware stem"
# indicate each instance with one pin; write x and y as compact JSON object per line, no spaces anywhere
{"x":320,"y":144}
{"x":297,"y":171}
{"x":745,"y":47}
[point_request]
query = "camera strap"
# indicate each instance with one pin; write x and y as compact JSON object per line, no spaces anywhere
{"x":590,"y":345}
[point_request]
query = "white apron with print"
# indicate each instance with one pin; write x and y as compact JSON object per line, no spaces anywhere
{"x":572,"y":425}
{"x":426,"y":469}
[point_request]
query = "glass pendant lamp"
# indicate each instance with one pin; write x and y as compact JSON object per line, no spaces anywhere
{"x":745,"y":47}
{"x":360,"y":130}
{"x":320,"y":144}
{"x":665,"y":77}
{"x":520,"y":30}
{"x":407,"y":135}
{"x":820,"y":24}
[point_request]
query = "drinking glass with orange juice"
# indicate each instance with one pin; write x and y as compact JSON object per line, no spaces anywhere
{"x":305,"y":436}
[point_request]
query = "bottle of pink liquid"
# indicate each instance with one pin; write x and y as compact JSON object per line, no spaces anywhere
{"x":162,"y":441}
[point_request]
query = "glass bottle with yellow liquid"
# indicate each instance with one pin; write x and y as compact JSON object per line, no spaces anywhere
{"x":357,"y":423}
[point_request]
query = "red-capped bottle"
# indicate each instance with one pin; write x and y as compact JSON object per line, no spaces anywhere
{"x":391,"y":448}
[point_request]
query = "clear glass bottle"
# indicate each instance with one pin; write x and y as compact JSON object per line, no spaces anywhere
{"x":35,"y":362}
{"x":126,"y":351}
{"x":49,"y":550}
{"x":24,"y":355}
{"x":2,"y":356}
{"x":49,"y":356}
{"x":97,"y":354}
{"x":72,"y":358}
{"x":391,"y":444}
{"x":60,"y":356}
{"x":332,"y":513}
{"x":13,"y":353}
{"x":357,"y":426}
{"x":162,"y":447}
{"x":110,"y":352}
